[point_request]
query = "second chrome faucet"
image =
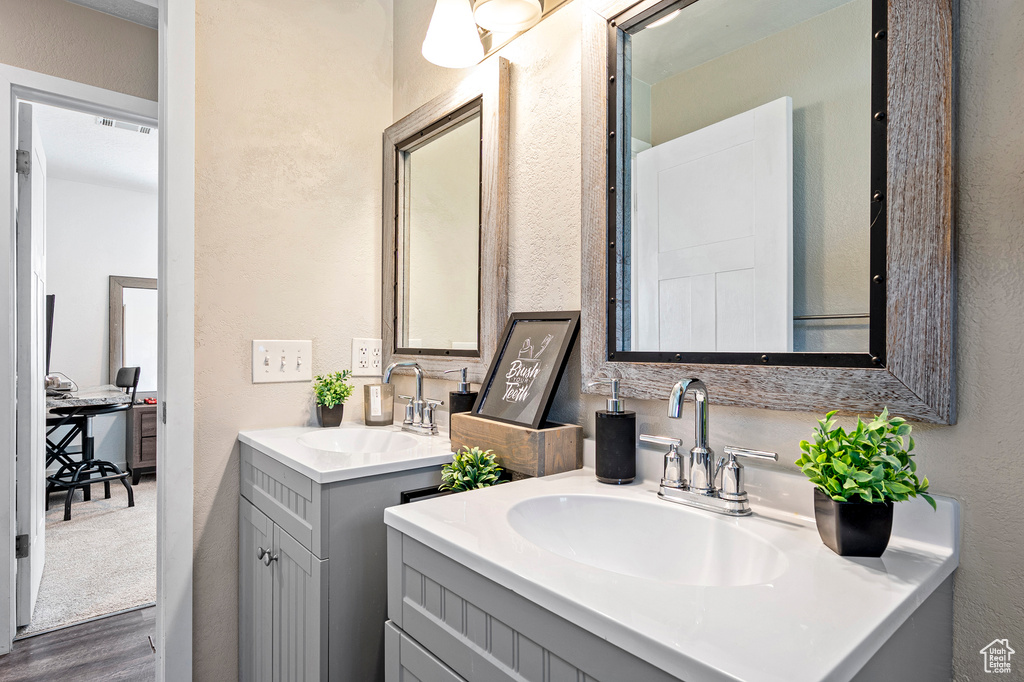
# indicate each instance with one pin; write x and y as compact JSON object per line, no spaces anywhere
{"x":693,"y":478}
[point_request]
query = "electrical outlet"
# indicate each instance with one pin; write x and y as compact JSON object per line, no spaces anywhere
{"x":280,"y":361}
{"x":366,"y":355}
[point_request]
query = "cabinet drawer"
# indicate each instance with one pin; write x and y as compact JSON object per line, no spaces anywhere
{"x":405,"y":660}
{"x":148,"y":422}
{"x":290,"y":499}
{"x":147,"y":452}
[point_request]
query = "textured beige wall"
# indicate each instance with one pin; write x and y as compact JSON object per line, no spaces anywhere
{"x":70,"y":41}
{"x":976,"y":461}
{"x":292,"y":99}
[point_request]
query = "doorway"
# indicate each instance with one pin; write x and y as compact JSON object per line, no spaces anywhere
{"x":92,"y":223}
{"x":175,"y":295}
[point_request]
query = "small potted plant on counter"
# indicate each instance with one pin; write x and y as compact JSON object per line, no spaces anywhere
{"x":332,"y":390}
{"x":857,"y":477}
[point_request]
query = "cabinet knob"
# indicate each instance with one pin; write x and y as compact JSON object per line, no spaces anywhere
{"x":268,"y":558}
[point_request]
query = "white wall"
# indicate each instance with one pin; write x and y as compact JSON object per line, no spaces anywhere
{"x":92,"y":232}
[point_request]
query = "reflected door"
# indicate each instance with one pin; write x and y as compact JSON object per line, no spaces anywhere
{"x":713,"y":259}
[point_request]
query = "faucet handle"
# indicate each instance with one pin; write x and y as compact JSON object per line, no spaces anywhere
{"x":406,"y":397}
{"x":732,"y":471}
{"x":661,"y":440}
{"x":674,"y":475}
{"x":735,"y":452}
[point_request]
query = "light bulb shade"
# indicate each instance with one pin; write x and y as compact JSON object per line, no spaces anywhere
{"x":507,"y":16}
{"x":452,"y":40}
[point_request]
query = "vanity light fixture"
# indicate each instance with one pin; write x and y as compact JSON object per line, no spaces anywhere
{"x":452,"y":40}
{"x":665,"y":19}
{"x":507,"y":16}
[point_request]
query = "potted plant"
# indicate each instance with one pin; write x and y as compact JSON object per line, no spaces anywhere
{"x":332,"y":390}
{"x":857,"y":477}
{"x":471,"y":468}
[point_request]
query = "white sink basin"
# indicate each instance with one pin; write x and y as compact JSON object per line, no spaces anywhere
{"x":653,"y":540}
{"x":358,"y":441}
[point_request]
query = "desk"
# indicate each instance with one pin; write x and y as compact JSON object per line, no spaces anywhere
{"x":76,"y":411}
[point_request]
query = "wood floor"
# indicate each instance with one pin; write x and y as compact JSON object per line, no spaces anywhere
{"x":114,"y":648}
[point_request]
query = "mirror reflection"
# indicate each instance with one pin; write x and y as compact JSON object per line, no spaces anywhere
{"x":439,"y":235}
{"x":748,"y":209}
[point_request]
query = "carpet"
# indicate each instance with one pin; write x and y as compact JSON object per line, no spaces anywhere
{"x":101,"y":561}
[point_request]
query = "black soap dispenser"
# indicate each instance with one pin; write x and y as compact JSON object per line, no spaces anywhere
{"x":616,"y":439}
{"x":462,"y":399}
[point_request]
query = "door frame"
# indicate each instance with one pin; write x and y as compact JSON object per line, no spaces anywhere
{"x":174,"y":531}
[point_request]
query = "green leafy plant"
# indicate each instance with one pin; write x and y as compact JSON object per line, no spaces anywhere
{"x":872,"y":463}
{"x":332,"y":389}
{"x":470,"y":468}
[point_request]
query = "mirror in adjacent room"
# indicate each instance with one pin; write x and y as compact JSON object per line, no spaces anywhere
{"x":133,"y":329}
{"x":746,"y":221}
{"x":438,"y":225}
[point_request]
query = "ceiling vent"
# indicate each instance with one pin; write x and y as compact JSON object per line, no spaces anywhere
{"x":111,"y":123}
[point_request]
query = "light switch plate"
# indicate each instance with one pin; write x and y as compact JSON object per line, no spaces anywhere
{"x":275,"y":361}
{"x":366,"y":355}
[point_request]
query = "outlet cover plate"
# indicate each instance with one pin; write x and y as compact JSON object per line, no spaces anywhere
{"x":275,"y":361}
{"x":366,"y":357}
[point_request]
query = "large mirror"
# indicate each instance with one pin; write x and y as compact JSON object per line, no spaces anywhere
{"x":439,"y":236}
{"x":746,"y":224}
{"x":445,"y":227}
{"x":767,"y":202}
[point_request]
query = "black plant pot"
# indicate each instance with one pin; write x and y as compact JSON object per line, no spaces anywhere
{"x":330,"y":416}
{"x":853,"y":528}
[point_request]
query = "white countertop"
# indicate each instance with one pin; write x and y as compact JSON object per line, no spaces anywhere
{"x":822,"y":618}
{"x":324,"y":466}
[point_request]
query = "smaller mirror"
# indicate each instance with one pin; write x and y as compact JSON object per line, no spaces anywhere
{"x":439,"y":235}
{"x":445,"y":227}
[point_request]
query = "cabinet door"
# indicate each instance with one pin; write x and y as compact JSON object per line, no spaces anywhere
{"x":255,"y":595}
{"x":300,"y":612}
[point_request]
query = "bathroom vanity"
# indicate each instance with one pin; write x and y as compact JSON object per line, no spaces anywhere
{"x":312,"y":544}
{"x":562,"y":578}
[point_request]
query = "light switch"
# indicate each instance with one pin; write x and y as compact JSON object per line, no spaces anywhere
{"x":280,"y":361}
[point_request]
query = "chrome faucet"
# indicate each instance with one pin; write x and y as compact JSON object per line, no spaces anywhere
{"x":419,"y":413}
{"x":694,"y":480}
{"x":702,"y":457}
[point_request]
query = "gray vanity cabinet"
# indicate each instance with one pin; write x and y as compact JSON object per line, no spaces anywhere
{"x":448,"y":623}
{"x":451,"y":624}
{"x":314,"y":607}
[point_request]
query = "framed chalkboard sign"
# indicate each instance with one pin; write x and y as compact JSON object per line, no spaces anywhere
{"x":531,"y":356}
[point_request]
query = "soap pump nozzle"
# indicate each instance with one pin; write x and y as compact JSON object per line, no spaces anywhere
{"x":614,"y":404}
{"x":463,"y":380}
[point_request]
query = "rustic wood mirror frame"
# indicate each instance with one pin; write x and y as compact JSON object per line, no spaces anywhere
{"x":489,"y":84}
{"x":917,"y":379}
{"x":115,"y":300}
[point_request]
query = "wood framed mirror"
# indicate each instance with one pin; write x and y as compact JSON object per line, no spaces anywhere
{"x":904,"y":359}
{"x":445,"y":227}
{"x":133,"y":329}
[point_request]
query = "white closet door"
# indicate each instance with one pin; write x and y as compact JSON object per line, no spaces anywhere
{"x":714,"y":239}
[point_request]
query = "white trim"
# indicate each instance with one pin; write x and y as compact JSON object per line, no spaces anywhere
{"x":28,"y":85}
{"x":176,"y":364}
